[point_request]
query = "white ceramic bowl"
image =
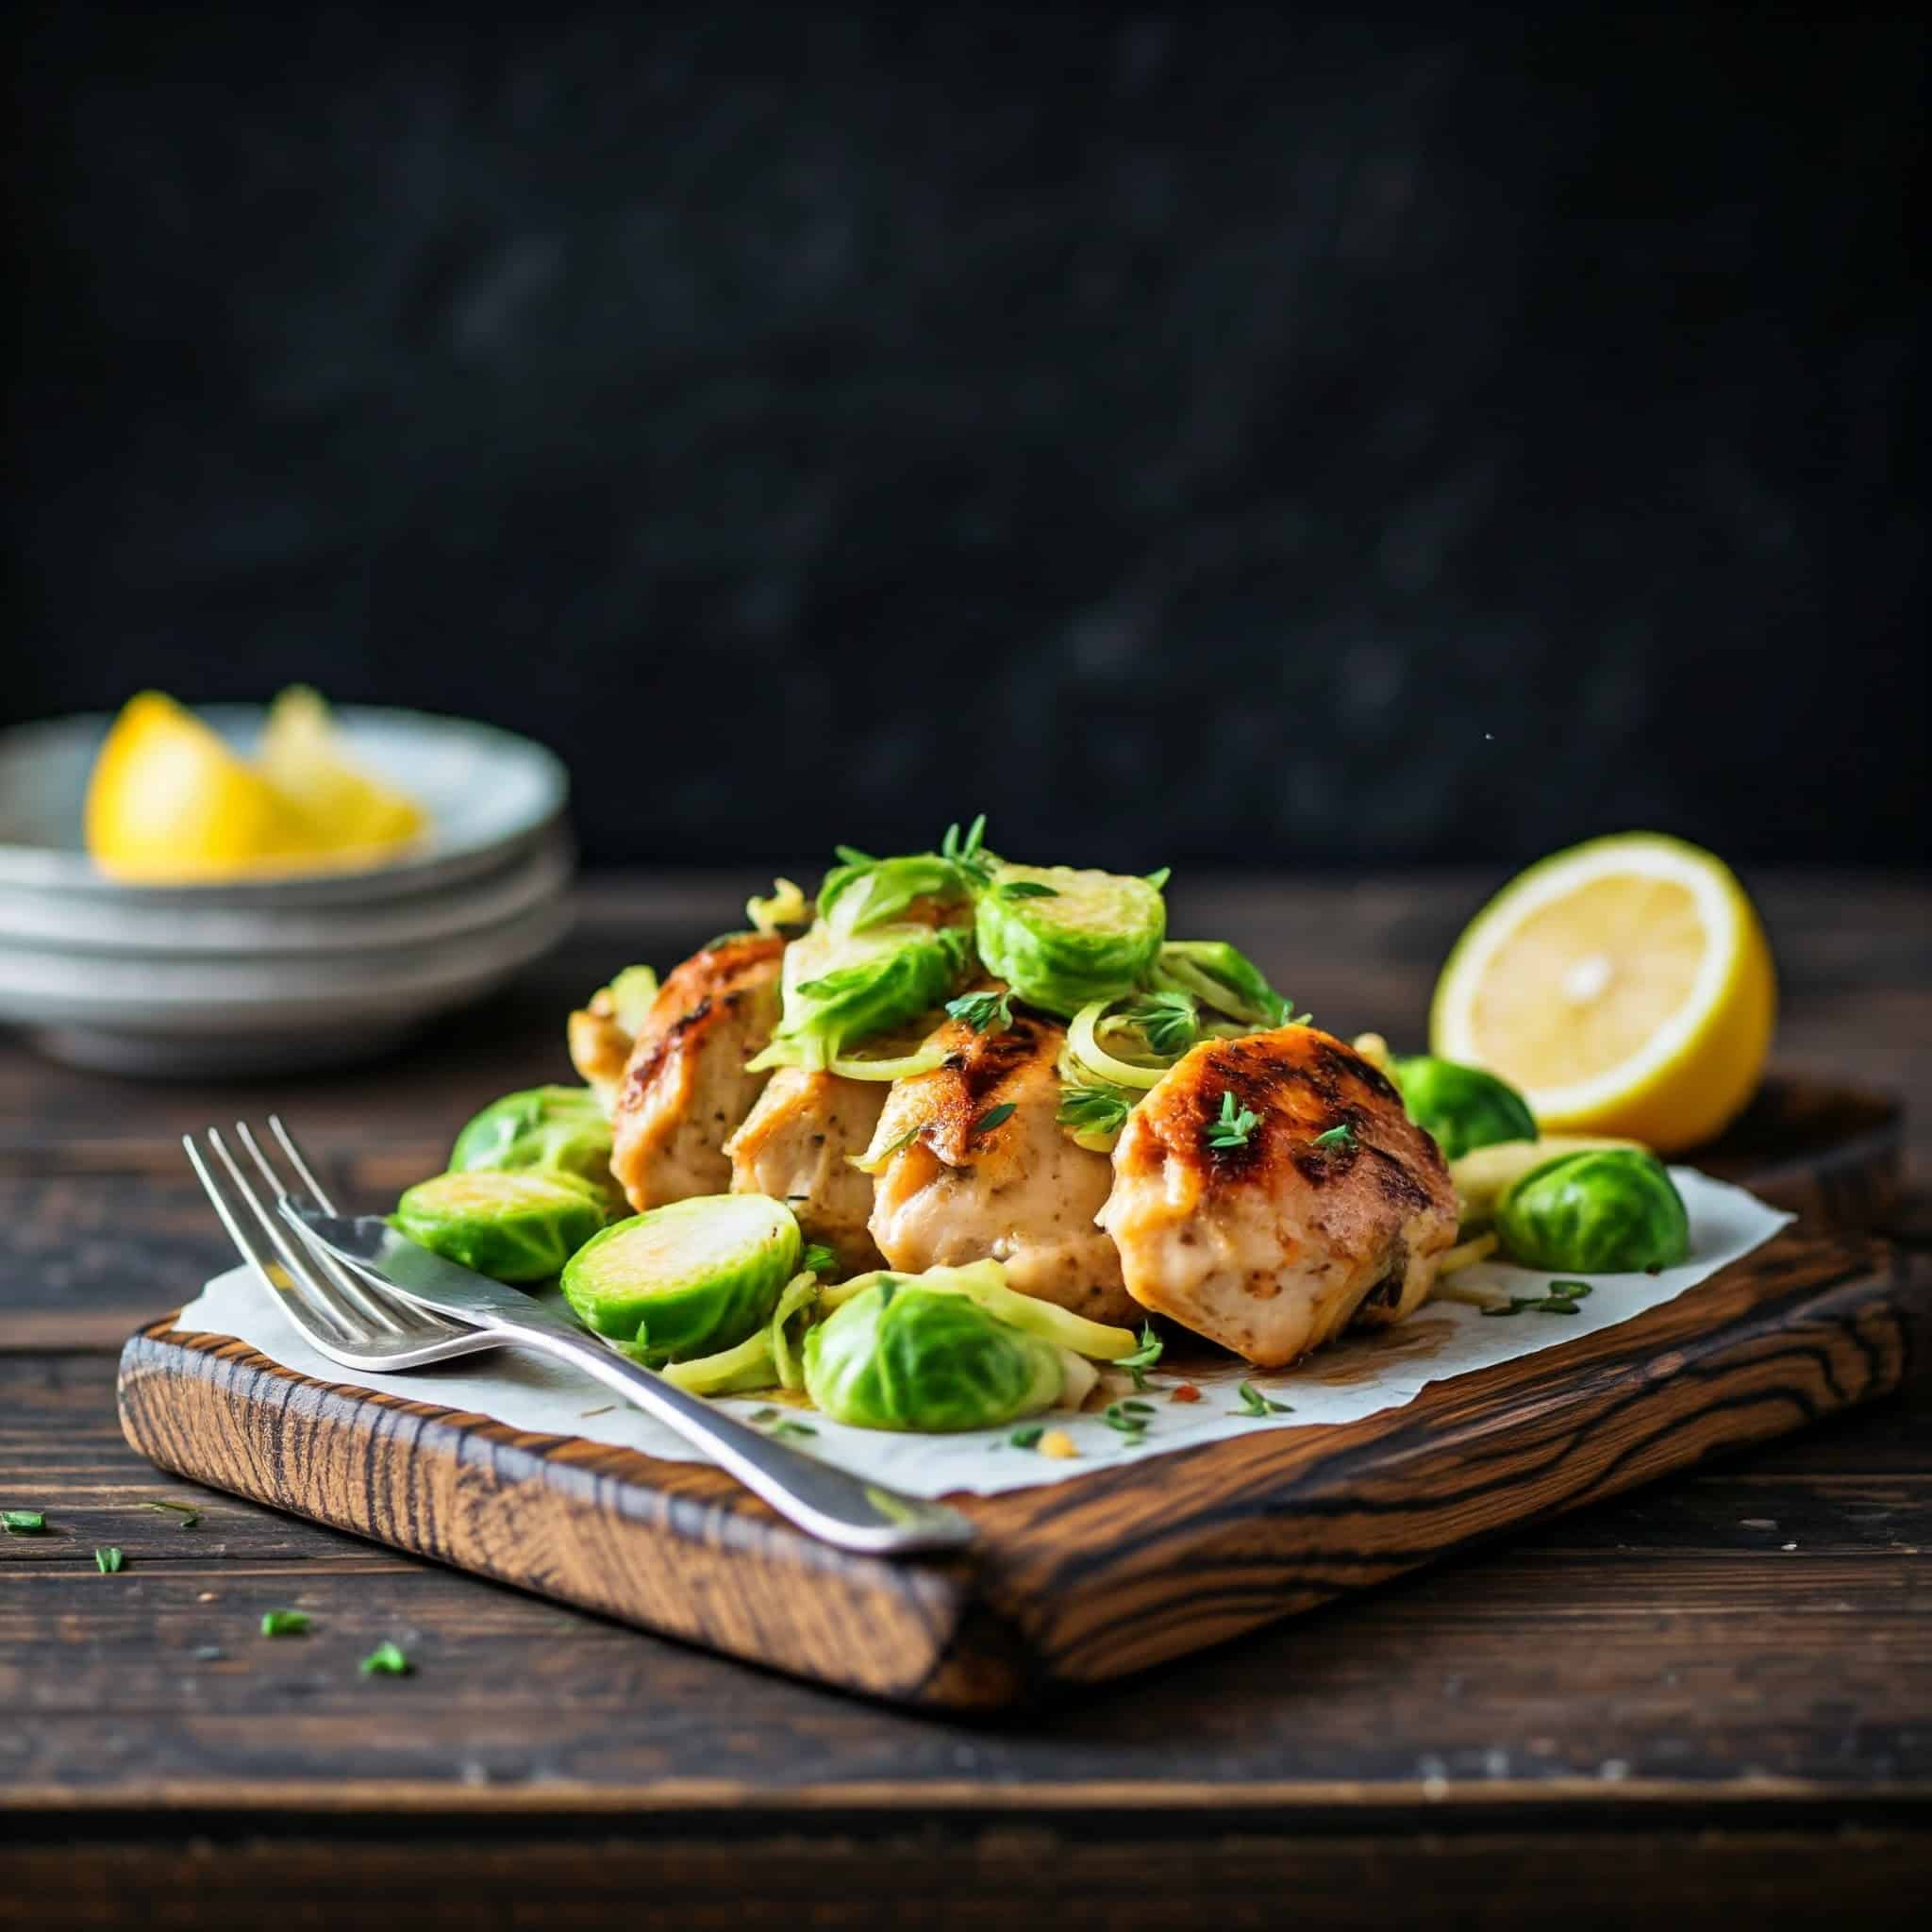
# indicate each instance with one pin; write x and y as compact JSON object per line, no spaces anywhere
{"x":276,"y":972}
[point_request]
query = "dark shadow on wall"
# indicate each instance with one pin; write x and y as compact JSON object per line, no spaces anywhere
{"x":1318,"y":437}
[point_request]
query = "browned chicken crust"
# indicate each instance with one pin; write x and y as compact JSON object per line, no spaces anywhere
{"x":684,"y":1087}
{"x":1275,"y":1245}
{"x":987,"y":1171}
{"x":796,"y":1145}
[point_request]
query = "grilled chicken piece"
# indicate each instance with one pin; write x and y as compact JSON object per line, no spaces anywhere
{"x":793,"y":1146}
{"x":1017,"y":1190}
{"x":599,"y":1047}
{"x":1275,"y":1245}
{"x":685,"y":1088}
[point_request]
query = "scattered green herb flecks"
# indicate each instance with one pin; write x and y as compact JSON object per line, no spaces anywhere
{"x":1129,"y":1419}
{"x":1093,"y":1109}
{"x":190,"y":1515}
{"x":1027,"y":1437}
{"x":764,"y":1415}
{"x":905,"y":1141}
{"x":24,"y":1522}
{"x":985,"y":1012}
{"x":108,"y":1561}
{"x":1255,"y":1404}
{"x":1169,"y":1021}
{"x":967,"y":852}
{"x":1340,"y":1135}
{"x":786,"y":1426}
{"x":1144,"y":1356}
{"x":1231,"y":1130}
{"x":285,"y":1623}
{"x":1025,"y":888}
{"x":819,"y":1259}
{"x":992,"y":1118}
{"x":1561,"y":1300}
{"x":386,"y":1660}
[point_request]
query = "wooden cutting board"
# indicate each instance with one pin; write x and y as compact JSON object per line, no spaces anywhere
{"x":1078,"y":1582}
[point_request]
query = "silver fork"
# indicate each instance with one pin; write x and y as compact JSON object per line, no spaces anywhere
{"x":365,"y":1320}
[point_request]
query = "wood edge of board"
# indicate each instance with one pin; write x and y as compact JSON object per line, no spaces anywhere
{"x":1074,"y":1583}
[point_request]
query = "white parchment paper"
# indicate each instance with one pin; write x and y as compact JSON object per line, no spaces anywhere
{"x":1350,"y":1380}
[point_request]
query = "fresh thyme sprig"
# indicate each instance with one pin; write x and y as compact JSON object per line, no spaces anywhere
{"x":819,"y":1259}
{"x":968,"y":851}
{"x":1255,"y":1404}
{"x":1340,"y":1136}
{"x":985,"y":1012}
{"x":1231,"y":1130}
{"x":1169,"y":1021}
{"x":1093,"y":1109}
{"x":1561,"y":1300}
{"x":1143,"y":1357}
{"x":992,"y":1118}
{"x":1025,"y":888}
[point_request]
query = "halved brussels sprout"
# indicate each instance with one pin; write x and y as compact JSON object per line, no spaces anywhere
{"x":1220,"y":976}
{"x":1063,"y":938}
{"x":901,"y":1355}
{"x":875,"y":892}
{"x":1483,"y":1177}
{"x":985,"y":1282}
{"x":1607,"y":1210}
{"x":840,"y":986}
{"x":516,"y":1227}
{"x":546,"y":1129}
{"x":687,"y":1279}
{"x":1462,"y":1107}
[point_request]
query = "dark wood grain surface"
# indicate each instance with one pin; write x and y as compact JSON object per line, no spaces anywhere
{"x":1714,"y":1692}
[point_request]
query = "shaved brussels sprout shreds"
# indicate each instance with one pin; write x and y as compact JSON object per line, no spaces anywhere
{"x":800,"y":1292}
{"x":1221,"y":976}
{"x":764,"y":1360}
{"x":785,"y":907}
{"x":1085,"y":1050}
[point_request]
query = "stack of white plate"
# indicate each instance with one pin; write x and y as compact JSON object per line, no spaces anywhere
{"x":268,"y":974}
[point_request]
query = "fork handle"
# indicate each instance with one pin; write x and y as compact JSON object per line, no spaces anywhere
{"x":829,"y":1502}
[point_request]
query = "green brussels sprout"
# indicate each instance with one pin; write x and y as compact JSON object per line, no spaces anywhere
{"x":1063,"y":938}
{"x":1221,"y":976}
{"x":877,"y":891}
{"x":838,"y":986}
{"x":900,"y":1356}
{"x":1605,"y":1210}
{"x":985,"y":1282}
{"x":690,"y":1278}
{"x":1462,"y":1107}
{"x":517,"y":1227}
{"x":549,"y":1130}
{"x":1484,"y":1177}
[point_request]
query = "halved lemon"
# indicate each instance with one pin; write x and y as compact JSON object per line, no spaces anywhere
{"x":169,"y":801}
{"x":1624,"y":986}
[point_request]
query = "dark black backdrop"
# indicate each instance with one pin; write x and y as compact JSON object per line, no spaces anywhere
{"x":1290,"y":435}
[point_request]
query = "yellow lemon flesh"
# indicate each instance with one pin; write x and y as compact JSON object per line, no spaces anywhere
{"x":169,"y":801}
{"x":1624,"y":986}
{"x":302,"y":756}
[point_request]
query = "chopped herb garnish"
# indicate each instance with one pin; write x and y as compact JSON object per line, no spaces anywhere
{"x":1124,"y":1417}
{"x":1025,"y":888}
{"x":764,"y":1415}
{"x":1169,"y":1021}
{"x":1159,"y":876}
{"x":386,"y":1660}
{"x":1561,"y":1300}
{"x":990,"y":1119}
{"x":1028,"y":1436}
{"x":285,"y":1623}
{"x":819,"y":1259}
{"x":1255,"y":1404}
{"x":851,"y":854}
{"x":1093,"y":1109}
{"x":1343,"y":1136}
{"x":1142,"y":1357}
{"x":787,"y":1427}
{"x":966,"y":851}
{"x":985,"y":1012}
{"x":190,"y":1515}
{"x":905,"y":1141}
{"x":24,"y":1522}
{"x":1134,"y":1407}
{"x":108,"y":1561}
{"x":1233,"y":1128}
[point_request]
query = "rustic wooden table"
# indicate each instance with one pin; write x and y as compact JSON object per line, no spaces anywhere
{"x":1714,"y":1692}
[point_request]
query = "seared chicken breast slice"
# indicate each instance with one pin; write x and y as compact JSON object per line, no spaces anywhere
{"x":794,"y":1145}
{"x":684,"y":1089}
{"x":1277,"y":1245}
{"x":985,"y":1170}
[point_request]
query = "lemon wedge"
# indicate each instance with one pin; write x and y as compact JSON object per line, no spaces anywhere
{"x":302,"y":756}
{"x":168,"y":803}
{"x":1624,"y":986}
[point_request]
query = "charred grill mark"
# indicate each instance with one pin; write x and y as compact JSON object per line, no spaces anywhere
{"x":668,"y":1042}
{"x":995,"y":1056}
{"x":1394,"y":1181}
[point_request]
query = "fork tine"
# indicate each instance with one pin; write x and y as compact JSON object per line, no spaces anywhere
{"x":318,"y":1292}
{"x":286,"y":1136}
{"x":250,"y":1247}
{"x":386,"y":1312}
